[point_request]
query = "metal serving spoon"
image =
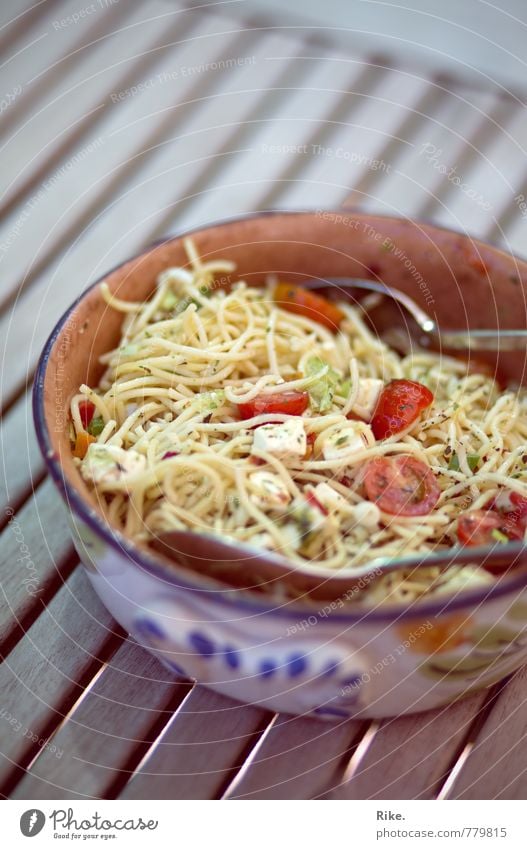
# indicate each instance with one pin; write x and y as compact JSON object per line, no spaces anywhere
{"x":481,"y":340}
{"x":243,"y":567}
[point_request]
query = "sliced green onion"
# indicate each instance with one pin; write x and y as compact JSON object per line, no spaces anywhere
{"x":472,"y":462}
{"x":169,"y":301}
{"x":498,"y":536}
{"x":321,"y":391}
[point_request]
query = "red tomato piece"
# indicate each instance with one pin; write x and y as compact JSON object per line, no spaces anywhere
{"x":313,"y":500}
{"x":310,"y":440}
{"x":86,"y":411}
{"x":302,"y":301}
{"x":256,"y":461}
{"x":403,"y":485}
{"x":512,"y":509}
{"x":400,"y":403}
{"x":476,"y":527}
{"x":290,"y":403}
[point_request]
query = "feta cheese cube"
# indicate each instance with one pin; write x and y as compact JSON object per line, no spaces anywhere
{"x":287,"y":439}
{"x":261,"y":540}
{"x":293,"y":536}
{"x":351,"y":438}
{"x":367,"y":514}
{"x":367,"y":396}
{"x":268,"y":490}
{"x":104,"y":463}
{"x":328,"y":497}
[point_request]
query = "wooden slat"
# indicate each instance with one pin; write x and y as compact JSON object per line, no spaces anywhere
{"x":379,"y":121}
{"x":45,"y":58}
{"x":495,"y":173}
{"x":45,"y":673}
{"x":452,"y":127}
{"x":35,"y":548}
{"x":304,"y":112}
{"x":20,"y":21}
{"x":515,"y":237}
{"x":297,"y":758}
{"x":495,"y":765}
{"x":22,"y":463}
{"x":115,"y":716}
{"x":408,"y":757}
{"x":200,"y":751}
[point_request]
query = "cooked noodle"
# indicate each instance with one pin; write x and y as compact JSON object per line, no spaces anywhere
{"x":169,"y":397}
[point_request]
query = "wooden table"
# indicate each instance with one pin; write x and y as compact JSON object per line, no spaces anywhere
{"x":117,"y":127}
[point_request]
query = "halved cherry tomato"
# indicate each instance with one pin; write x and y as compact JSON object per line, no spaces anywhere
{"x":509,"y":501}
{"x":515,"y":520}
{"x":303,"y":302}
{"x":290,"y":403}
{"x":256,"y":461}
{"x":477,"y":526}
{"x":86,"y":411}
{"x":511,"y":507}
{"x":403,"y":485}
{"x":400,"y":403}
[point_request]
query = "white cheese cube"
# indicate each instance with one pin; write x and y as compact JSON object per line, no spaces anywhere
{"x":293,"y":536}
{"x":287,"y":439}
{"x":367,"y":396}
{"x":261,"y":540}
{"x":327,"y":496}
{"x":104,"y":463}
{"x":367,"y":514}
{"x":268,"y":490}
{"x":351,"y":438}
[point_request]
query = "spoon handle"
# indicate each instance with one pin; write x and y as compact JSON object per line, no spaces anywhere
{"x":483,"y":340}
{"x":477,"y":340}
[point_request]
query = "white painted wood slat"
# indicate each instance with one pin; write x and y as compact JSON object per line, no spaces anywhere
{"x":114,"y":717}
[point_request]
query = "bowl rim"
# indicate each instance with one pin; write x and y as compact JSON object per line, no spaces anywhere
{"x":216,"y":590}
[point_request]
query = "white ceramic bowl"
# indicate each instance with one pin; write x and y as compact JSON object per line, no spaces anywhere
{"x":321,"y":656}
